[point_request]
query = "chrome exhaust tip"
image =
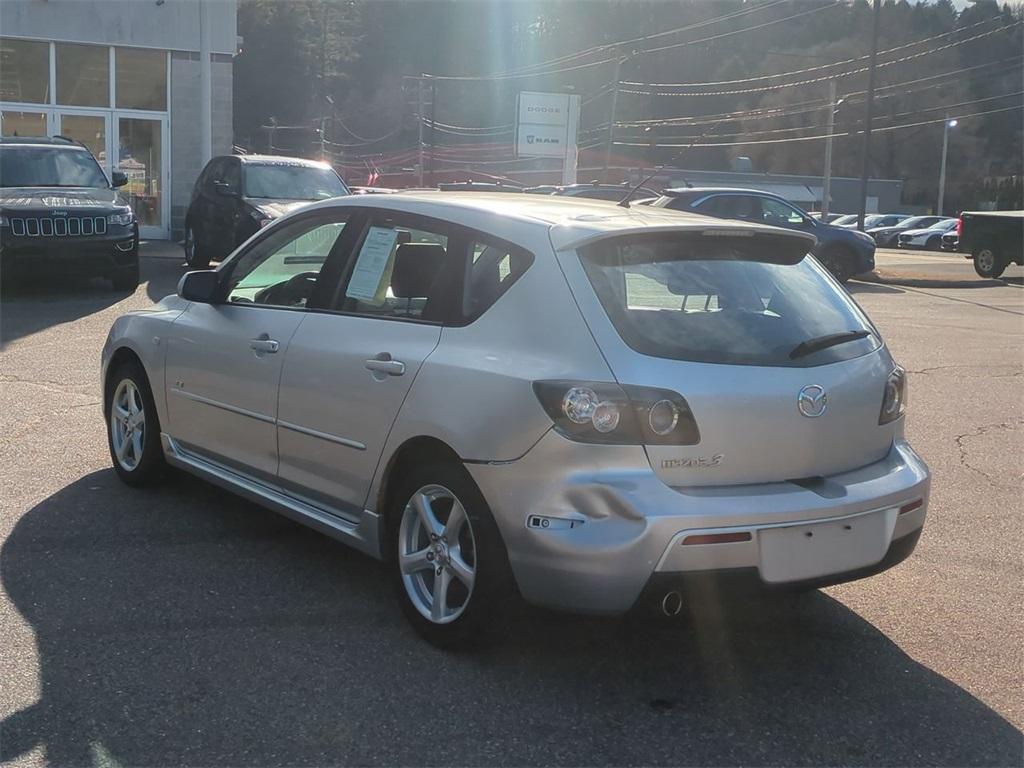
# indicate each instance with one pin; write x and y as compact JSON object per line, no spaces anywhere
{"x":672,"y":603}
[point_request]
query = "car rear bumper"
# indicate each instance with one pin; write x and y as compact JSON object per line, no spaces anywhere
{"x":592,"y":528}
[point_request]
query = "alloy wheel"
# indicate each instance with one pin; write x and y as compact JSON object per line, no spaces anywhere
{"x":437,"y":554}
{"x":127,"y":425}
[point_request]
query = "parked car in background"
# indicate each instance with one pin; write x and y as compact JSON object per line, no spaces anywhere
{"x":992,"y":239}
{"x":844,"y":252}
{"x":237,"y":195}
{"x":478,"y":186}
{"x":371,"y":190}
{"x":888,"y":237}
{"x":844,"y":220}
{"x":829,"y":219}
{"x":595,"y":191}
{"x":951,"y":241}
{"x":928,"y":238}
{"x":503,"y":395}
{"x":60,"y":215}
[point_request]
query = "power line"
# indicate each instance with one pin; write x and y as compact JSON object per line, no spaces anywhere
{"x":645,"y":38}
{"x":824,"y":136}
{"x":834,"y":76}
{"x":813,"y":69}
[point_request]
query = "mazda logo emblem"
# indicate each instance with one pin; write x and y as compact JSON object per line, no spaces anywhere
{"x":812,"y":400}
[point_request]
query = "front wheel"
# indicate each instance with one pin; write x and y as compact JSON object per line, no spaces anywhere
{"x":988,"y":263}
{"x":196,"y":256}
{"x":449,"y":564}
{"x":133,"y":428}
{"x":933,"y":244}
{"x":839,"y":262}
{"x":126,"y":278}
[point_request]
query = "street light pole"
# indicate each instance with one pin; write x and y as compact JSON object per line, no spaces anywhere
{"x":869,"y":114}
{"x":826,"y":187}
{"x":946,"y":125}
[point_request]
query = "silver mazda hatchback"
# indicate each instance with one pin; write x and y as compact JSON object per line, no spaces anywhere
{"x":588,"y":405}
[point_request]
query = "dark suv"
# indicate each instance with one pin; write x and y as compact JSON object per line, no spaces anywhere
{"x":237,"y":195}
{"x":58,"y":212}
{"x":844,"y":252}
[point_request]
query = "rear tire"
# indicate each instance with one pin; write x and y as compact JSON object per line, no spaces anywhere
{"x":988,"y":262}
{"x":196,"y":254}
{"x":447,"y":560}
{"x":133,"y":427}
{"x":838,"y":261}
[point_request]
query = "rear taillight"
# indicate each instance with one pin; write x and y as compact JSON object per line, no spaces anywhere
{"x":894,"y":401}
{"x":601,"y":412}
{"x":959,"y":226}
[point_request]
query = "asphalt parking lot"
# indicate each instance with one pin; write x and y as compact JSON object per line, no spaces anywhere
{"x":184,"y":626}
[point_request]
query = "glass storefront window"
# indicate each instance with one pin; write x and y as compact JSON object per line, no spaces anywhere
{"x":90,"y":130}
{"x":23,"y":123}
{"x":141,"y":78}
{"x":83,"y":75}
{"x":24,"y":71}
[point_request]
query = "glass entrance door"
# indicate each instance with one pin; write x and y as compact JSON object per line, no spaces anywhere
{"x":141,"y":154}
{"x":91,"y":129}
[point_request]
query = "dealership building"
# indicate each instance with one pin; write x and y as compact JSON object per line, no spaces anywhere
{"x":127,"y":80}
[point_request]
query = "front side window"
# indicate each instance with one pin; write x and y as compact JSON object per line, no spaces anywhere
{"x":49,"y":167}
{"x":402,"y":272}
{"x":780,"y":214}
{"x":735,"y":300}
{"x":282,"y":269}
{"x":290,"y":181}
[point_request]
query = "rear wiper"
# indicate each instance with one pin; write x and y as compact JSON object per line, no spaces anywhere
{"x":810,"y":346}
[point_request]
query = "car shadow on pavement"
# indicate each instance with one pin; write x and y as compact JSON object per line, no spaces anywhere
{"x":185,"y":626}
{"x":32,"y":303}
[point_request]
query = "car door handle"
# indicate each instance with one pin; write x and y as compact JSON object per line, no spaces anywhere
{"x":264,"y":345}
{"x":383,"y":363}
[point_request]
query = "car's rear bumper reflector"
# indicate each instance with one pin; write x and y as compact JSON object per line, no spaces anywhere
{"x":718,"y":538}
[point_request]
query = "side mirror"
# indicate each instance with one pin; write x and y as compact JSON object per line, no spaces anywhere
{"x":118,"y":179}
{"x":224,"y":189}
{"x":200,"y":286}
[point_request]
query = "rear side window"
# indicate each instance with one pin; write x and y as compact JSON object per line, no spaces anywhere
{"x":493,"y":268}
{"x":741,"y":301}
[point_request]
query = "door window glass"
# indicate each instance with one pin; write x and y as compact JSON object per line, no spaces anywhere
{"x":139,"y":158}
{"x":282,"y":269}
{"x":24,"y":72}
{"x":232,"y":175}
{"x":780,"y":214}
{"x":83,"y":75}
{"x":401,"y":272}
{"x":141,"y":78}
{"x":492,"y":270}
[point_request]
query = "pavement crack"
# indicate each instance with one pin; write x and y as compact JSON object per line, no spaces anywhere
{"x":980,"y":431}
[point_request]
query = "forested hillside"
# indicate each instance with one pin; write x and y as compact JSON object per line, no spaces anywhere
{"x":731,"y":78}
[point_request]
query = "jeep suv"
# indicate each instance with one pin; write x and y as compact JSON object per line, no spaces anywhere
{"x":58,"y":212}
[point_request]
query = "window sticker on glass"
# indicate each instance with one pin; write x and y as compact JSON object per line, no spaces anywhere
{"x":371,"y":275}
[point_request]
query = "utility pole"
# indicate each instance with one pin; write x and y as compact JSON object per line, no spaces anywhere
{"x":611,"y":117}
{"x":433,"y":118}
{"x":419,"y":120}
{"x":946,"y":125}
{"x":826,"y":187}
{"x":869,"y":114}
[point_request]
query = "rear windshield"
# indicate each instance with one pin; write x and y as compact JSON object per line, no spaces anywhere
{"x":49,"y":167}
{"x":723,"y":300}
